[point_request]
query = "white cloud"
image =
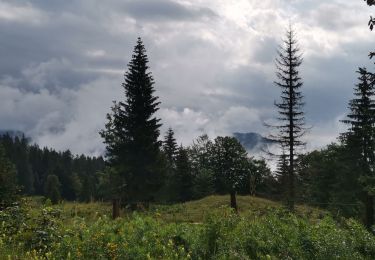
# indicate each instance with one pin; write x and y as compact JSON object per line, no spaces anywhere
{"x":96,"y":53}
{"x":90,"y":104}
{"x":23,"y":110}
{"x":25,"y":14}
{"x":189,"y":124}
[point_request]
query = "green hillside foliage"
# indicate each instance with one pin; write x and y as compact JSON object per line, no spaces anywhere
{"x":261,"y":230}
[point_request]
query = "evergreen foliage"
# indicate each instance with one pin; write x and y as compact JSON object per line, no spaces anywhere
{"x":170,"y":147}
{"x":16,"y":149}
{"x":281,"y":175}
{"x":52,"y":188}
{"x":78,"y":174}
{"x":291,"y":128}
{"x":203,"y":183}
{"x":8,"y":181}
{"x":168,"y":192}
{"x":261,"y":181}
{"x":329,"y":179}
{"x":184,"y":178}
{"x":360,"y":137}
{"x":132,"y":131}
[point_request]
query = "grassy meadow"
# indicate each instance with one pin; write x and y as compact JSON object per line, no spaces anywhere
{"x":202,"y":229}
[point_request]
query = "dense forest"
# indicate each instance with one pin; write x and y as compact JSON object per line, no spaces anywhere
{"x":76,"y":177}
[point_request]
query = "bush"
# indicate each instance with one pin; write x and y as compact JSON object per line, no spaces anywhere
{"x":222,"y":235}
{"x":28,"y":230}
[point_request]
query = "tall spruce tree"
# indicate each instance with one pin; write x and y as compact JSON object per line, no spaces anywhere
{"x":168,"y":192}
{"x":361,"y":136}
{"x":291,"y":117}
{"x":170,"y":147}
{"x":132,"y":131}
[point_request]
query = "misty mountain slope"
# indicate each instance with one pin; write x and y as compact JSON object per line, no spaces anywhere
{"x":254,"y":142}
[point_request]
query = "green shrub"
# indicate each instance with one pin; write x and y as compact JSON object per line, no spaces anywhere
{"x":36,"y":234}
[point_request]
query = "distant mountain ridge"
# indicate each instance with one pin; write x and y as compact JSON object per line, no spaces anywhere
{"x":253,"y":141}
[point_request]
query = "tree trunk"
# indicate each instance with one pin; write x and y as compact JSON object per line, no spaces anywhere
{"x":233,"y":201}
{"x":369,"y":211}
{"x":252,"y":184}
{"x":291,"y":146}
{"x":291,"y":195}
{"x":115,"y":208}
{"x":291,"y":140}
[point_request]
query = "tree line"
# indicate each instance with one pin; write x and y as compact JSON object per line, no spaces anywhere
{"x":46,"y":172}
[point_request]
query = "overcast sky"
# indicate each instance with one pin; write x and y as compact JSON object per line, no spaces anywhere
{"x":62,"y":64}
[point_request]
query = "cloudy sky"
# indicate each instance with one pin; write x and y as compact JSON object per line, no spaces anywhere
{"x":62,"y":64}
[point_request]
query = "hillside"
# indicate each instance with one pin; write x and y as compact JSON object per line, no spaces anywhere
{"x":188,"y":212}
{"x":202,"y":229}
{"x":196,"y":211}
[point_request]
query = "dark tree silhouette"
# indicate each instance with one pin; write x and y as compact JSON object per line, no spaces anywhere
{"x":281,"y":174}
{"x":230,"y":164}
{"x":132,"y":131}
{"x":170,"y":147}
{"x":169,"y":191}
{"x":259,"y":175}
{"x":52,"y":188}
{"x":8,"y":181}
{"x":291,"y":117}
{"x":77,"y":174}
{"x":361,"y":136}
{"x":184,"y":178}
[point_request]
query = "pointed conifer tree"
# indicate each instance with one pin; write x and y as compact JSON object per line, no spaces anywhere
{"x":282,"y":174}
{"x":291,"y":116}
{"x":169,"y":190}
{"x":170,"y":147}
{"x":132,"y":131}
{"x":184,"y":178}
{"x":52,"y":188}
{"x":360,"y":138}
